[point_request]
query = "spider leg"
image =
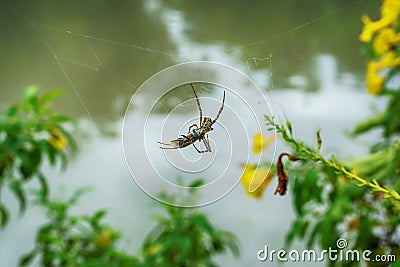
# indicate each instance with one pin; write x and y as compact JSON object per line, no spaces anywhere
{"x":207,"y":144}
{"x":198,"y":104}
{"x":198,"y":150}
{"x":165,"y":144}
{"x":220,"y":109}
{"x":193,"y":125}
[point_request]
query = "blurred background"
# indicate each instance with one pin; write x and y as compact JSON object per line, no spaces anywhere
{"x":303,"y":55}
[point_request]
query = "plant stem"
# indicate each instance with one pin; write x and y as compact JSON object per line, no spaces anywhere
{"x":310,"y":154}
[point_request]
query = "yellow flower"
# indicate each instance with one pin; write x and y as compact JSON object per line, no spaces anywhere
{"x":57,"y":139}
{"x":154,"y":249}
{"x":104,"y":239}
{"x":255,"y":180}
{"x":260,"y":143}
{"x":389,"y":60}
{"x":390,"y":11}
{"x":374,"y":81}
{"x":371,"y":27}
{"x":385,"y":40}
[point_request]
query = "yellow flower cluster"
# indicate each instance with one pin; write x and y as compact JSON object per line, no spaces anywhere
{"x":256,"y":179}
{"x":57,"y":139}
{"x":384,"y":37}
{"x":104,"y":239}
{"x":154,"y":249}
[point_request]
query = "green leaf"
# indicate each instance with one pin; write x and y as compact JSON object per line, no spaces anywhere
{"x":30,"y":161}
{"x":43,"y":233}
{"x":12,"y":111}
{"x":203,"y":223}
{"x":96,"y":218}
{"x":196,"y":183}
{"x":4,"y":216}
{"x":27,"y":258}
{"x":298,"y":229}
{"x":185,"y":246}
{"x":44,"y":186}
{"x":30,"y":98}
{"x":396,"y":264}
{"x":64,"y":160}
{"x":71,"y":141}
{"x":314,"y":233}
{"x":193,"y":186}
{"x":328,"y":234}
{"x":61,"y":119}
{"x":306,"y":189}
{"x":78,"y":193}
{"x":366,"y":238}
{"x":352,"y":192}
{"x":38,"y":196}
{"x":30,"y":92}
{"x":338,"y":208}
{"x":50,"y":96}
{"x":51,"y":154}
{"x":159,"y":218}
{"x":99,"y":214}
{"x":232,"y":242}
{"x":19,"y":193}
{"x":153,"y":236}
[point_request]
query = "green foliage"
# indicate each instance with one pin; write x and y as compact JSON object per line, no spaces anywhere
{"x":329,"y":205}
{"x":186,"y":237}
{"x":75,"y":240}
{"x":29,"y":132}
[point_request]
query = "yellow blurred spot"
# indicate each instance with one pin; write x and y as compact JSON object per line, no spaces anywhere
{"x":260,"y":143}
{"x":154,"y":249}
{"x":342,"y":180}
{"x":353,"y":225}
{"x":57,"y":139}
{"x":255,"y":180}
{"x":104,"y":239}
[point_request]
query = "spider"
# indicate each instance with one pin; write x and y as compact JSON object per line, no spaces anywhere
{"x":196,"y":133}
